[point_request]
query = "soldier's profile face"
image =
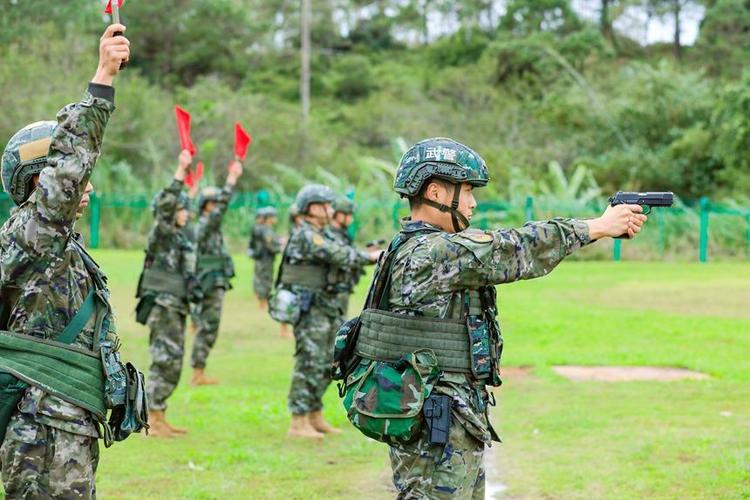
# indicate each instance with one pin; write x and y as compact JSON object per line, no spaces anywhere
{"x":181,"y":217}
{"x":84,"y":200}
{"x":467,"y":203}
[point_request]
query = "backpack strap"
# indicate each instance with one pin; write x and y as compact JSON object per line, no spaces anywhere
{"x":87,"y":309}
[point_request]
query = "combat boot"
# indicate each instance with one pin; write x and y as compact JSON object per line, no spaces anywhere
{"x":319,"y":424}
{"x":200,"y":378}
{"x":284,"y":332}
{"x":177,"y":431}
{"x":301,"y":427}
{"x":157,"y":426}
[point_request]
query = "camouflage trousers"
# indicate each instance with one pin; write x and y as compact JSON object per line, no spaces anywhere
{"x":315,"y":335}
{"x":167,"y":346}
{"x":453,"y":470}
{"x":263,"y":278}
{"x":209,"y":316}
{"x":39,"y":461}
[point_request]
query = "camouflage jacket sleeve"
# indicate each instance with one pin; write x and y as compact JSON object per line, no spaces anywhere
{"x":213,"y":221}
{"x":73,"y":152}
{"x":506,"y":255}
{"x":271,"y":242}
{"x":331,"y":252}
{"x":166,"y":208}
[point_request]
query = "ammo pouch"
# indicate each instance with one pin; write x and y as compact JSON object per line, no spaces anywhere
{"x":285,"y":306}
{"x":132,"y":415}
{"x":384,"y":400}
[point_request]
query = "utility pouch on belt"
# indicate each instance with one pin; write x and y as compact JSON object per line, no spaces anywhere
{"x":132,"y":415}
{"x":284,"y":306}
{"x":384,"y":400}
{"x":143,"y":309}
{"x":437,"y":415}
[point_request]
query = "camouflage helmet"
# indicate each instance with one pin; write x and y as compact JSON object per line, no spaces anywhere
{"x":266,"y":212}
{"x":313,"y":193}
{"x":343,"y":205}
{"x":25,"y":156}
{"x":210,"y":193}
{"x":441,"y":158}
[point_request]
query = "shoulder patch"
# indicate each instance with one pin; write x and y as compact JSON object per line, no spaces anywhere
{"x":477,"y":236}
{"x":318,"y":240}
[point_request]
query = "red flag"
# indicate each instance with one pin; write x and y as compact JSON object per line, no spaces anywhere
{"x":108,"y":9}
{"x":193,"y":178}
{"x":241,"y":141}
{"x":189,"y":179}
{"x":183,"y":127}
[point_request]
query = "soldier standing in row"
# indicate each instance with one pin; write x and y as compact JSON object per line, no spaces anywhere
{"x":263,"y":247}
{"x":167,"y":286}
{"x":437,"y":281}
{"x":309,"y":257}
{"x":343,"y":216}
{"x":51,"y":290}
{"x":215,"y":269}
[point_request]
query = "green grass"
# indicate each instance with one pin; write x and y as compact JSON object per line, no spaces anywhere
{"x":561,"y":439}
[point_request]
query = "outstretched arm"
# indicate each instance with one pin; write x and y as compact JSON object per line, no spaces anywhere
{"x":74,"y":150}
{"x":168,"y":198}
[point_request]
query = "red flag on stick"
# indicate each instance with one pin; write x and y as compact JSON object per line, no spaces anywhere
{"x":193,"y":178}
{"x":241,"y":141}
{"x":183,"y":127}
{"x":108,"y":9}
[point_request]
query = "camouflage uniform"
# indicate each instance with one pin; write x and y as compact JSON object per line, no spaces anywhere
{"x":315,"y":332}
{"x":264,"y":246}
{"x":439,"y":275}
{"x":214,"y":283}
{"x":50,"y":449}
{"x":346,"y":278}
{"x":428,"y":272}
{"x":169,"y":248}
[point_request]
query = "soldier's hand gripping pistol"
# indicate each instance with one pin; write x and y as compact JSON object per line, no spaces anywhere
{"x":646,"y":200}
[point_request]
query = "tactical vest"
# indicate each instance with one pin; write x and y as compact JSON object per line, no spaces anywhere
{"x":468,"y":341}
{"x":155,"y":279}
{"x":94,"y":380}
{"x":306,"y":275}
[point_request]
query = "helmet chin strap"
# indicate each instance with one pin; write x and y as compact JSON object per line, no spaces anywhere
{"x":460,"y":222}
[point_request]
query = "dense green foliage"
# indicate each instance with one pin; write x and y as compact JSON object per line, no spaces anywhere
{"x":533,"y":86}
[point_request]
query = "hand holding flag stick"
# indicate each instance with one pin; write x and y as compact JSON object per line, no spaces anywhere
{"x":114,"y":10}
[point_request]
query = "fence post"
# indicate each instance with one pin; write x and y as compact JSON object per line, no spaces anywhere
{"x":705,"y":211}
{"x":95,"y":203}
{"x":529,"y":208}
{"x":617,"y":251}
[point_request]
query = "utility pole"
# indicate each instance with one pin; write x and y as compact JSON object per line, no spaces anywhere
{"x":305,"y":47}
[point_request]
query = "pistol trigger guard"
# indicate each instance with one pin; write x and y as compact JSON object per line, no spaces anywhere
{"x":646,"y":209}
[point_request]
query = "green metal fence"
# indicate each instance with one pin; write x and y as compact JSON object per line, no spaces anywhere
{"x":686,"y":231}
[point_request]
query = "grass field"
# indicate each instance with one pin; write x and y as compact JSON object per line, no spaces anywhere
{"x":562,"y":439}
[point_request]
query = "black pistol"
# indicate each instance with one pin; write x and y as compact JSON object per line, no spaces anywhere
{"x":376,"y":243}
{"x":646,"y":200}
{"x":437,"y":414}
